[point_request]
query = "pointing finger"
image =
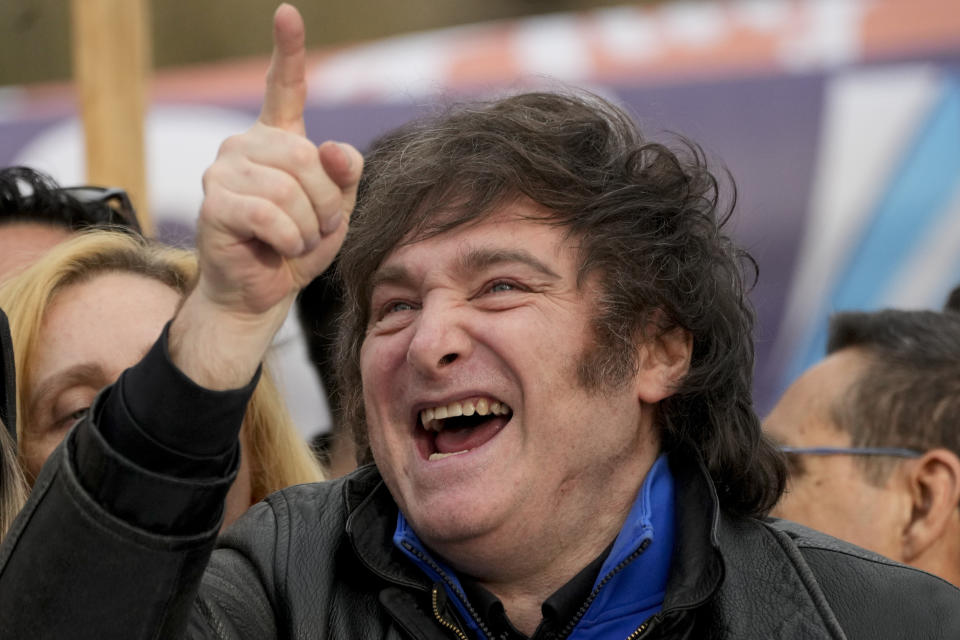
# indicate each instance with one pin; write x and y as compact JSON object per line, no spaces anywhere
{"x":286,"y":90}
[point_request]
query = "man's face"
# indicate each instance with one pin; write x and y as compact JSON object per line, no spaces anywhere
{"x":831,"y":493}
{"x":22,"y":243}
{"x":488,"y":320}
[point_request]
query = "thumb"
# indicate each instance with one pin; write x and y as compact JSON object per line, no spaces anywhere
{"x":344,"y":165}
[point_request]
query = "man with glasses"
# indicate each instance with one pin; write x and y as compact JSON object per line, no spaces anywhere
{"x":36,"y":214}
{"x":872,"y":436}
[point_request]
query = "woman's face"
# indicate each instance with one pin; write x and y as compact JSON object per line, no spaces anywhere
{"x":91,"y":332}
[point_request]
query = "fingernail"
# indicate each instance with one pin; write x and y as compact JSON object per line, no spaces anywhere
{"x":332,"y":224}
{"x":346,"y":154}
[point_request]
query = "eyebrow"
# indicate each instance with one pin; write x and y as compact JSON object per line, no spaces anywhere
{"x":479,"y":259}
{"x":86,"y":373}
{"x":470,"y":260}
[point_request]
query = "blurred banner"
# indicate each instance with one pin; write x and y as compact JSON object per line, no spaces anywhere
{"x":839,"y":120}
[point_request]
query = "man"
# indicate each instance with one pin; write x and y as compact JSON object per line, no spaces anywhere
{"x":36,"y":214}
{"x":873,"y":435}
{"x":545,"y":347}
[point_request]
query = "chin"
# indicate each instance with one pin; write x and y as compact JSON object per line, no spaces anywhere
{"x":442,"y":523}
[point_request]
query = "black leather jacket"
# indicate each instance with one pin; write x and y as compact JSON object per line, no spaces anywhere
{"x":316,"y":561}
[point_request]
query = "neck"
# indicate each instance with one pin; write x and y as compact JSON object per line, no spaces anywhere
{"x":523,"y":576}
{"x":942,"y":557}
{"x":529,"y":556}
{"x":522,"y":595}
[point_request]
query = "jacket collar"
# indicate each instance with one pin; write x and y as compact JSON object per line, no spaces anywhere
{"x":745,"y":579}
{"x":697,"y":568}
{"x":697,"y":564}
{"x":769,"y":591}
{"x":371,"y":522}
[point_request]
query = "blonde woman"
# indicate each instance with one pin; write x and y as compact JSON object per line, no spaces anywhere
{"x":91,"y":308}
{"x":13,"y":489}
{"x":13,"y":492}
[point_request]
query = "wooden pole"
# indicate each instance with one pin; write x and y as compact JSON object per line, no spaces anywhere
{"x":111,"y":54}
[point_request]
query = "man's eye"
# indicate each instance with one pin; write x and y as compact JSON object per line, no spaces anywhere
{"x":499,"y":286}
{"x":395,"y":307}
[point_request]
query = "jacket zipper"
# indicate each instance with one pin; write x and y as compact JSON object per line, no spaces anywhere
{"x":639,"y":631}
{"x":443,"y":621}
{"x":456,"y":590}
{"x":593,"y":595}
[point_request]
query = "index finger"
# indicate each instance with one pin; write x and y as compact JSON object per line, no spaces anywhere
{"x":286,"y":91}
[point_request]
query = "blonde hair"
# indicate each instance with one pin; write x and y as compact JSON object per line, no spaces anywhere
{"x":278,"y":455}
{"x":13,"y":486}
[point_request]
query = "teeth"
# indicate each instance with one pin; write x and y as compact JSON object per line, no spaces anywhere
{"x":441,"y":456}
{"x":432,"y":418}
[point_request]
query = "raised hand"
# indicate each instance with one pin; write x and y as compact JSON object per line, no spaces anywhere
{"x":274,"y":215}
{"x":275,"y":205}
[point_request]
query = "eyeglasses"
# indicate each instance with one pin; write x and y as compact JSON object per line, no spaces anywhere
{"x":896,"y":452}
{"x":116,"y":201}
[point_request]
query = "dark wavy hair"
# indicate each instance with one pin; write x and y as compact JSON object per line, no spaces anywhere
{"x":28,"y":195}
{"x":648,"y":220}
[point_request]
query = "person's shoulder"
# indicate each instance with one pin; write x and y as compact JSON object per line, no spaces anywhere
{"x":873,"y":596}
{"x":324,"y":500}
{"x":318,"y":507}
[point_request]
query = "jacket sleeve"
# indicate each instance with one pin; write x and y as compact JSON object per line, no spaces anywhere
{"x":112,"y":544}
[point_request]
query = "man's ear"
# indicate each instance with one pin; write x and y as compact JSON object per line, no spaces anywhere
{"x":934,"y":485}
{"x":664,"y":361}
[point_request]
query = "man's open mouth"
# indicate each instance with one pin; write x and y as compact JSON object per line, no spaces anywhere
{"x":460,"y":426}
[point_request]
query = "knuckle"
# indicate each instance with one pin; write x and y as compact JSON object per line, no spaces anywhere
{"x":284,"y":238}
{"x":328,"y":203}
{"x":231,"y":145}
{"x":260,"y":214}
{"x":303,"y":154}
{"x":213,"y":199}
{"x":211,"y":176}
{"x":283,"y":192}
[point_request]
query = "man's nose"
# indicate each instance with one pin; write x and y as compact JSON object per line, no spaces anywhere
{"x":439,"y":338}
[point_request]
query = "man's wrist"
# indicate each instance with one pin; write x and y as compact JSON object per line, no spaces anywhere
{"x":219,"y":349}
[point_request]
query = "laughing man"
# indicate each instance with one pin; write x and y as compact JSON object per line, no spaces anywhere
{"x":546,"y":355}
